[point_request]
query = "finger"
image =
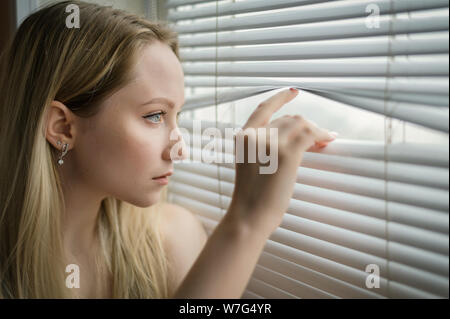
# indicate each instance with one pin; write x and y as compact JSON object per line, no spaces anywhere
{"x":318,"y":146}
{"x":315,"y":148}
{"x":292,"y":126}
{"x":261,"y":116}
{"x":287,"y":126}
{"x":321,"y":135}
{"x":325,"y":143}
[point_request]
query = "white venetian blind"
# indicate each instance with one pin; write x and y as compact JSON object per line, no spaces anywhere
{"x":357,"y":202}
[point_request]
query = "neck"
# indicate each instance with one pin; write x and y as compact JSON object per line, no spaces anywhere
{"x":82,"y":208}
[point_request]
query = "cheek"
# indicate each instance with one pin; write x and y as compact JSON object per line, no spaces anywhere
{"x":122,"y":159}
{"x":139,"y":161}
{"x":136,"y":151}
{"x":142,"y":153}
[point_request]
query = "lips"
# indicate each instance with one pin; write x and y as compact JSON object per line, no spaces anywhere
{"x":165,"y":175}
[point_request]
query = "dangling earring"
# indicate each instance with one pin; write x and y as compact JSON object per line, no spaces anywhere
{"x":65,"y":148}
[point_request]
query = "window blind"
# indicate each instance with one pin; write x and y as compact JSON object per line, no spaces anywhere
{"x":356,"y":202}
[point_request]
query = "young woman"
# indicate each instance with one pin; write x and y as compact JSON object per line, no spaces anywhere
{"x":85,"y":121}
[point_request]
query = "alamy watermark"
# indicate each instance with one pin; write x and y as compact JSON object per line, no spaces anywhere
{"x":373,"y":19}
{"x":73,"y":19}
{"x":73,"y":279}
{"x":210,"y":146}
{"x":373,"y":280}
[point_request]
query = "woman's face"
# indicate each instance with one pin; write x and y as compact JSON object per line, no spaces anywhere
{"x":120,"y":150}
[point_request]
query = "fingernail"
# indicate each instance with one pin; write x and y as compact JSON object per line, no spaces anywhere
{"x":293,"y":90}
{"x":334,"y":134}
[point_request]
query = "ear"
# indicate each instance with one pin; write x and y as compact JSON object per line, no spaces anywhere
{"x":60,"y":125}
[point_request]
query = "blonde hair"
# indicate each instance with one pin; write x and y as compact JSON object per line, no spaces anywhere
{"x":47,"y":61}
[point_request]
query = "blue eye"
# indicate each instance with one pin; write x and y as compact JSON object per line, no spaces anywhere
{"x":155,"y":118}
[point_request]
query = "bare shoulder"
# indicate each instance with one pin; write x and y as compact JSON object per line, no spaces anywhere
{"x":183,"y":238}
{"x":178,"y":221}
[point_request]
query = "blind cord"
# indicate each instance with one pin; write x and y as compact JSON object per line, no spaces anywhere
{"x":387,"y":142}
{"x":216,"y":107}
{"x":152,"y":10}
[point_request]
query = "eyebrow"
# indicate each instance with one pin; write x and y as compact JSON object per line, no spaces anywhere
{"x":160,"y":100}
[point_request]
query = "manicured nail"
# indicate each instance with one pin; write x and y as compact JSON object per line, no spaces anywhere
{"x":334,"y":134}
{"x":294,"y":90}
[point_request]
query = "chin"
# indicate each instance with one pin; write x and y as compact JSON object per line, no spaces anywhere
{"x":147,"y":200}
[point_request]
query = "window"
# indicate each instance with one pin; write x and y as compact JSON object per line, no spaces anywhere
{"x":151,"y":8}
{"x":377,"y":198}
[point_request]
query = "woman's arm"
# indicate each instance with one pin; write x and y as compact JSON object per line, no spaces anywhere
{"x":259,"y":201}
{"x":225,"y":264}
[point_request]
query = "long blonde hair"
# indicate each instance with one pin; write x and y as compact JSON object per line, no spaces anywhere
{"x":47,"y":61}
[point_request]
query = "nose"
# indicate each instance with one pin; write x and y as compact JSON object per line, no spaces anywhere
{"x":176,"y":149}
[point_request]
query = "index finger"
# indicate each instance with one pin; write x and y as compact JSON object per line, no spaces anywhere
{"x":263,"y":113}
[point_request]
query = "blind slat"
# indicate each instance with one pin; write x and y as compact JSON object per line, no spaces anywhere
{"x":431,"y":198}
{"x":423,"y":280}
{"x":380,"y":46}
{"x":426,"y":116}
{"x":438,"y":21}
{"x":376,"y":66}
{"x":313,"y":278}
{"x":250,"y":295}
{"x":412,"y":99}
{"x":398,"y":213}
{"x":337,"y":270}
{"x":411,"y":153}
{"x":401,"y":291}
{"x":405,"y":173}
{"x":421,"y":114}
{"x":431,"y":85}
{"x":346,"y":280}
{"x":397,"y":172}
{"x":436,"y":284}
{"x":224,"y":8}
{"x":315,"y":13}
{"x":268,"y":291}
{"x":419,"y":258}
{"x":404,"y":229}
{"x":177,"y":3}
{"x":409,"y":215}
{"x":346,"y":202}
{"x":293,"y":286}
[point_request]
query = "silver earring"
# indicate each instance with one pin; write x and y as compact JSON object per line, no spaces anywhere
{"x":64,"y":150}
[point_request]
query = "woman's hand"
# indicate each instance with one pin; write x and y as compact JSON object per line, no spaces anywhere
{"x":257,"y":208}
{"x":260,"y":200}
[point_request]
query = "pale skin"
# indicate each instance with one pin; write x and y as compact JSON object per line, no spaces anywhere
{"x":117,"y":152}
{"x":121,"y":149}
